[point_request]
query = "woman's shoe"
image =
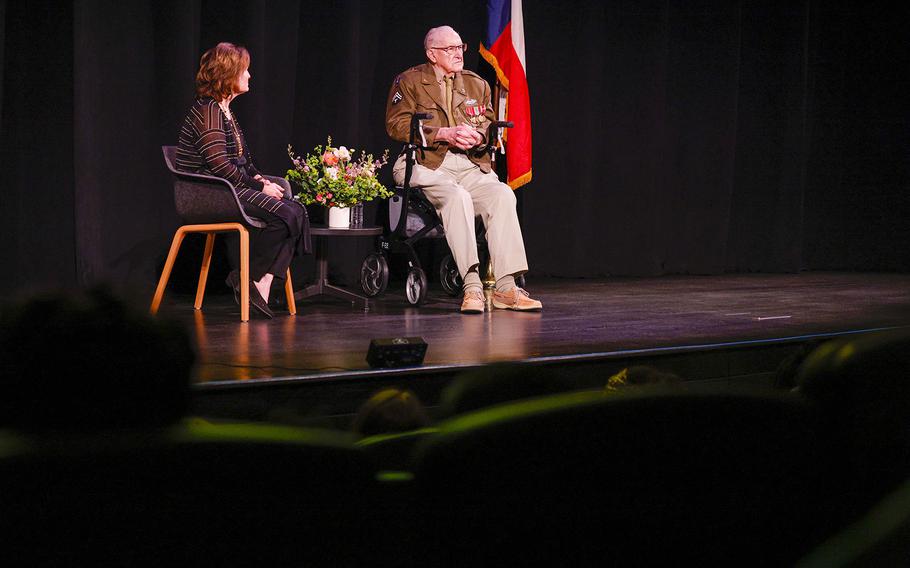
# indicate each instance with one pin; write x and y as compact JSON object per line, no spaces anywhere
{"x":257,"y":301}
{"x":233,"y":280}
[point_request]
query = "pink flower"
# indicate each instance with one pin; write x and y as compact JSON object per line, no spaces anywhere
{"x":329,"y":159}
{"x":328,"y":195}
{"x":320,"y":198}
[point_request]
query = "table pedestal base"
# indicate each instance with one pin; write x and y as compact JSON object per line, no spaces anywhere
{"x":322,"y":285}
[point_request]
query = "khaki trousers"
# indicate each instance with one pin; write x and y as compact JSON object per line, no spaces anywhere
{"x":459,"y":191}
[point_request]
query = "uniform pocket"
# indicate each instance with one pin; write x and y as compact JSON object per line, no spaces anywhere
{"x":426,"y":104}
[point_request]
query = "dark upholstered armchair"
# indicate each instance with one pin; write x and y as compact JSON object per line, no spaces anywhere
{"x":208,"y":204}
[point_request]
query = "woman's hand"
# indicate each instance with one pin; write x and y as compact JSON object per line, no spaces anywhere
{"x":272,"y":189}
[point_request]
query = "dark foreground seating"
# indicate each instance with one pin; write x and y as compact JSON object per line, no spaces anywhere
{"x":652,"y":478}
{"x":881,"y":538}
{"x":862,"y":385}
{"x":191,"y":495}
{"x":395,"y":451}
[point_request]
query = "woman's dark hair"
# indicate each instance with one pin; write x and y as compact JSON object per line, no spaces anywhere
{"x":219,"y":69}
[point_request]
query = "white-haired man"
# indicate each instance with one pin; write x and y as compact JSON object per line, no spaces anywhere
{"x":454,"y":173}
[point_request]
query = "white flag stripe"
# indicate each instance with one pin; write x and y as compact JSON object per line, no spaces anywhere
{"x":518,"y":34}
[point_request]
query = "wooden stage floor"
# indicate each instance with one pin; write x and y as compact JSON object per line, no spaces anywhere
{"x":581,"y":320}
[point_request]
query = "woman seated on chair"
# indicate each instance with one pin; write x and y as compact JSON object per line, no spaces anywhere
{"x":211,"y":142}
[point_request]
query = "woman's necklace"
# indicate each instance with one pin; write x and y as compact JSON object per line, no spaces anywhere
{"x":234,"y":129}
{"x":225,"y":109}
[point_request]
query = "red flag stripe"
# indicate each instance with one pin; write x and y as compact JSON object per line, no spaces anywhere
{"x":511,"y":75}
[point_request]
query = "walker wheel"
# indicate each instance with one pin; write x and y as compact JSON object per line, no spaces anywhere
{"x":374,"y":274}
{"x":415,"y":287}
{"x":449,"y":276}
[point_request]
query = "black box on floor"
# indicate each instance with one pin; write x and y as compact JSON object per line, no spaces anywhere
{"x":396,"y":352}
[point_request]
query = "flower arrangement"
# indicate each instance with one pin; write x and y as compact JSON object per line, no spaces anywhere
{"x":331,"y":177}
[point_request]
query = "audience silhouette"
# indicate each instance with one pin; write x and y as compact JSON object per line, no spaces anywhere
{"x":76,"y":365}
{"x":86,"y":360}
{"x":862,"y":385}
{"x":499,"y":383}
{"x":390,"y":410}
{"x":788,"y":369}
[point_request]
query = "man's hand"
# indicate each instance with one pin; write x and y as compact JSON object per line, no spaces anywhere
{"x":462,"y":136}
{"x":470,"y":132}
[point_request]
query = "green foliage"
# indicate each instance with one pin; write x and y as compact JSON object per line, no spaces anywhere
{"x":330,"y":177}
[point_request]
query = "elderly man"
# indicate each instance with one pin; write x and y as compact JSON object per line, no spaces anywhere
{"x":454,"y":173}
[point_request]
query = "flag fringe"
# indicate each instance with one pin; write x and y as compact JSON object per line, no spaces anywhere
{"x":521,"y":180}
{"x":491,"y":59}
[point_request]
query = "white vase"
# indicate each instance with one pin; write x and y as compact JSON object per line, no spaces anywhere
{"x":339,"y":217}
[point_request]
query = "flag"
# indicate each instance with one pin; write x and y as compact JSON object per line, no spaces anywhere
{"x":503,"y":47}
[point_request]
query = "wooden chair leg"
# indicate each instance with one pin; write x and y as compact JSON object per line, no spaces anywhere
{"x":204,"y":270}
{"x":289,"y":292}
{"x":168,"y":267}
{"x":244,"y":274}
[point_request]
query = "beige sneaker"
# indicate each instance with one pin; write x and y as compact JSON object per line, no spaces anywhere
{"x":515,"y":299}
{"x":473,"y":302}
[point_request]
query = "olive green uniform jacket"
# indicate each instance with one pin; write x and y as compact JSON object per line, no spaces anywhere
{"x":416,"y":90}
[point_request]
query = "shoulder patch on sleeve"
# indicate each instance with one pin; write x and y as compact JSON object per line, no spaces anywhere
{"x":396,"y":97}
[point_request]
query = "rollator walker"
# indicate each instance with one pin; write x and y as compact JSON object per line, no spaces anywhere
{"x":412,"y":217}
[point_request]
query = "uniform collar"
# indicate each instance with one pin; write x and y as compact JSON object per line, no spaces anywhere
{"x":433,"y":81}
{"x":430,"y":75}
{"x":440,"y":76}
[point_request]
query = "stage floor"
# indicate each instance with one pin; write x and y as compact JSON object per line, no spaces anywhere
{"x":582,"y":319}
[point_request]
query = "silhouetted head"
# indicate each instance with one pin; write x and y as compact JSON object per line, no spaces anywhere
{"x":87,"y":360}
{"x":497,"y":384}
{"x":862,"y":384}
{"x":788,"y":369}
{"x":390,"y":410}
{"x":864,"y":375}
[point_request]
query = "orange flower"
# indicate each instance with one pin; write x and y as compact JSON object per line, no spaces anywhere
{"x":329,"y":158}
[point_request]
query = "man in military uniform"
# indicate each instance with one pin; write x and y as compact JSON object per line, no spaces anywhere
{"x":454,"y":173}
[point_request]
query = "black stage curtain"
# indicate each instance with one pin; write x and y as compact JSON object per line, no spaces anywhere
{"x":704,"y":136}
